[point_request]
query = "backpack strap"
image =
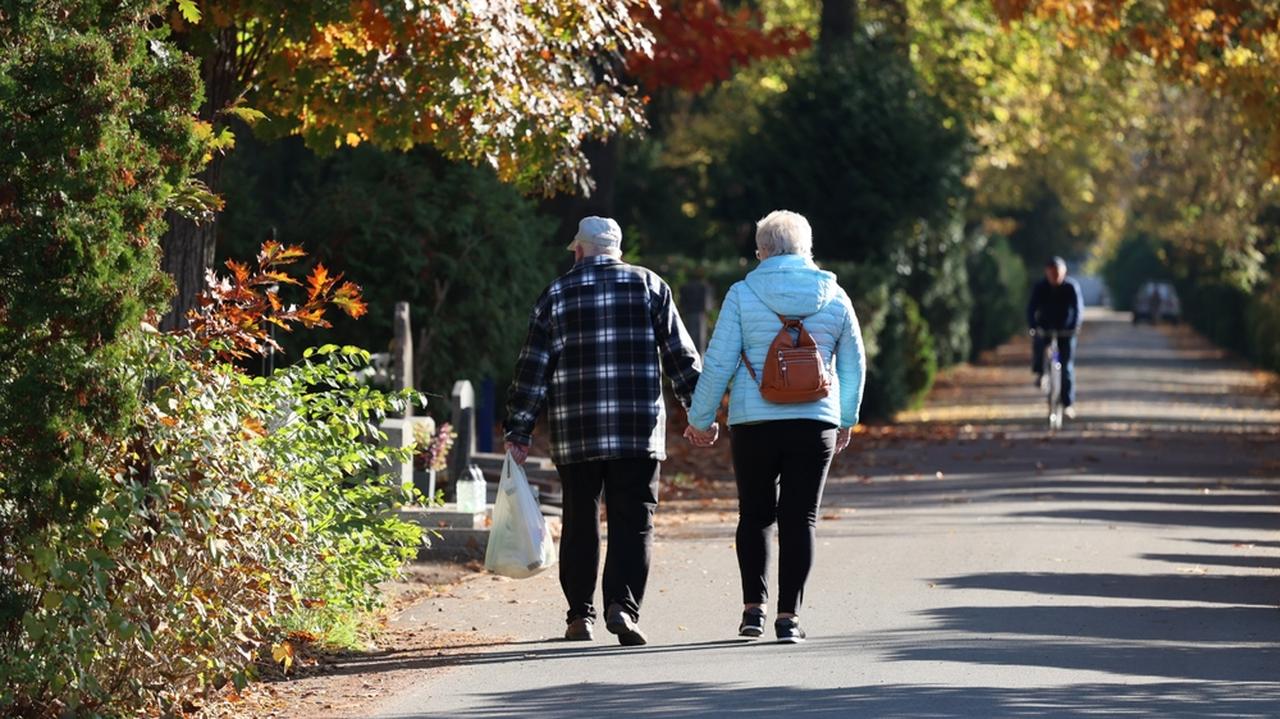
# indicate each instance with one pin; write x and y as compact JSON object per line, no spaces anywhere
{"x":790,"y":324}
{"x":750,"y":370}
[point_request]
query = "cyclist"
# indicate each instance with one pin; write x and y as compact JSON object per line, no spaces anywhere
{"x":1056,"y":304}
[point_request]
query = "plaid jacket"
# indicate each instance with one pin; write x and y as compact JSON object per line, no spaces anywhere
{"x":600,"y":338}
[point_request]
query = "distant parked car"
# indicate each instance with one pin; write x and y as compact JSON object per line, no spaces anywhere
{"x":1157,"y":302}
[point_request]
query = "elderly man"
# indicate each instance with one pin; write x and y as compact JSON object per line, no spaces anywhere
{"x":600,"y":338}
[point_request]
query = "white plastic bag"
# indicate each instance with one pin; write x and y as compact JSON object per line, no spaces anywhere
{"x":520,"y":543}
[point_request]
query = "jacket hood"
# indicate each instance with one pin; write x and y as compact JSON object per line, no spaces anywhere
{"x":792,"y":286}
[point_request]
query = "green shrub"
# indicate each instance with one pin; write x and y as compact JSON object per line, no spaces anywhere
{"x":903,"y":370}
{"x":1218,"y":310}
{"x":235,"y":505}
{"x":355,"y":539}
{"x":1262,"y":317}
{"x":999,"y":283}
{"x":96,"y":116}
{"x":939,"y":283}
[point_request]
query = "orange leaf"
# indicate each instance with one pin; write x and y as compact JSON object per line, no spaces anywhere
{"x":318,"y":281}
{"x":253,"y":426}
{"x":348,"y":298}
{"x":239,"y":270}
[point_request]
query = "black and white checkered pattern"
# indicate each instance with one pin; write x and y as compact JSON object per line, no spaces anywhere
{"x":599,"y":339}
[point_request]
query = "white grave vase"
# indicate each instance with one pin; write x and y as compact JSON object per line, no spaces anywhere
{"x":471,"y":491}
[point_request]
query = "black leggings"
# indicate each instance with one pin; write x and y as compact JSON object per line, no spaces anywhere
{"x":780,"y":467}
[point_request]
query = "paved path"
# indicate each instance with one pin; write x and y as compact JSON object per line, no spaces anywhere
{"x":974,"y":568}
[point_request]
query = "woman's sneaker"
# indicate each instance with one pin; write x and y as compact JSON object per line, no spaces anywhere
{"x":788,"y":630}
{"x":752,"y":623}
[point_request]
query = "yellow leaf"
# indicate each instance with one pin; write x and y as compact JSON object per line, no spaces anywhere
{"x":353,"y":139}
{"x":283,"y":653}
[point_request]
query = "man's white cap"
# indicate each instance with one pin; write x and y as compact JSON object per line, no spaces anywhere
{"x":602,"y":232}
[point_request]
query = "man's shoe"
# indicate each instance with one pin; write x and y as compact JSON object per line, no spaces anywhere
{"x":1069,"y":412}
{"x":579,"y":630}
{"x":621,"y":624}
{"x":788,"y":630}
{"x":752,"y":623}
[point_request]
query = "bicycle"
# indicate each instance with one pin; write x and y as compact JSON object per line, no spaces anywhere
{"x":1052,"y":366}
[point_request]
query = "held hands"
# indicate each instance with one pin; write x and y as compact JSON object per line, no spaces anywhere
{"x":519,"y":452}
{"x":843,"y":435}
{"x":702,"y":438}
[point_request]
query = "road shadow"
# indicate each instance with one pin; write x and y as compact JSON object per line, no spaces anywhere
{"x":1261,"y":591}
{"x":1065,"y":490}
{"x":1202,"y":457}
{"x":1129,"y":659}
{"x":1239,"y":543}
{"x":1217,"y":519}
{"x":539,"y":650}
{"x":1186,"y":625}
{"x":1218,"y":560}
{"x":575,"y":700}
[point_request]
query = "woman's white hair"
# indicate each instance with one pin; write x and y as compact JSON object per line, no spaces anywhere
{"x":783,"y":232}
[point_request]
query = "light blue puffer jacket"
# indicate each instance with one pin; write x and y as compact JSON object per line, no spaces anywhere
{"x":792,"y":286}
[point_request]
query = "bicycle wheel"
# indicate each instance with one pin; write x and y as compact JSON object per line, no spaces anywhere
{"x":1055,"y":395}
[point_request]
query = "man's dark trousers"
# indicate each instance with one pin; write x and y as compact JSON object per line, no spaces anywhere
{"x":1066,"y":355}
{"x":630,"y":488}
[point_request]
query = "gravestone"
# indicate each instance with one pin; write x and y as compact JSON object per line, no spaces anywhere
{"x":399,"y":431}
{"x":399,"y":435}
{"x":402,"y":354}
{"x":463,"y":417}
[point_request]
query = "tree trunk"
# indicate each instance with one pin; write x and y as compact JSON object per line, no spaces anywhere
{"x":837,"y":24}
{"x":188,"y":247}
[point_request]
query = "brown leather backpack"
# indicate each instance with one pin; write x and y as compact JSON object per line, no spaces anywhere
{"x":793,"y":369}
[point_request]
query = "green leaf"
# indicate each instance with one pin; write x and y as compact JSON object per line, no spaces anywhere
{"x":189,"y":10}
{"x":33,"y":626}
{"x":247,"y":114}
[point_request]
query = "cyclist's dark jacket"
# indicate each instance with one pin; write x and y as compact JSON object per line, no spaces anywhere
{"x":1055,"y":308}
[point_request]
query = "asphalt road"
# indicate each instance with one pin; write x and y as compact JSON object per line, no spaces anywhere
{"x":969,"y":565}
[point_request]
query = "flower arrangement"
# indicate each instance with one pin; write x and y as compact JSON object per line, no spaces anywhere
{"x":432,"y":444}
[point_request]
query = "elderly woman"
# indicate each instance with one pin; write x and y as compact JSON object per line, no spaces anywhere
{"x":782,"y":448}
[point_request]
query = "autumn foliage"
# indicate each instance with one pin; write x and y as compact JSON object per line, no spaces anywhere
{"x":516,"y":86}
{"x":698,"y":43}
{"x":1224,"y":46}
{"x":235,"y":314}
